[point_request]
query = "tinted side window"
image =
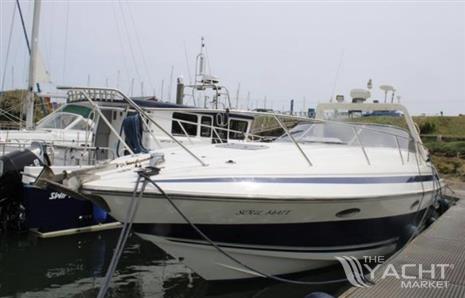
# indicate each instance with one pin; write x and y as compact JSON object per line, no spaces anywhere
{"x":237,"y":125}
{"x":206,"y":131}
{"x":190,"y":128}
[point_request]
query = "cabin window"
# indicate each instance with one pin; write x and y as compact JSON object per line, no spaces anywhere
{"x":188,"y":122}
{"x":239,"y":128}
{"x":205,"y":129}
{"x":81,"y":125}
{"x":59,"y":121}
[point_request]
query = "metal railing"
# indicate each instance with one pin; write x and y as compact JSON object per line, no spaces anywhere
{"x":356,"y":130}
{"x":138,"y":109}
{"x":110,"y":94}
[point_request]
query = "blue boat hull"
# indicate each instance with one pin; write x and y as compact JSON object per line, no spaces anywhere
{"x":47,"y":210}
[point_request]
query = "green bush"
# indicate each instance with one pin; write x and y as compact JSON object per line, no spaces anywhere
{"x":427,"y":128}
{"x":447,"y":149}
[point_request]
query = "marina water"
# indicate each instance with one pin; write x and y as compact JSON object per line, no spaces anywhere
{"x":73,"y":266}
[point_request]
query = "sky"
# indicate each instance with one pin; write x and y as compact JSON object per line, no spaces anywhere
{"x":308,"y":51}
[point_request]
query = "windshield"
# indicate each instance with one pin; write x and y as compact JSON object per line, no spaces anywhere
{"x":60,"y":120}
{"x":354,"y":134}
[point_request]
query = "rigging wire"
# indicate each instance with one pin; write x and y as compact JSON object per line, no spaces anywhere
{"x":51,"y":32}
{"x":8,"y":49}
{"x":120,"y":39}
{"x":141,"y":49}
{"x":187,"y":63}
{"x":341,"y":59}
{"x":65,"y":49}
{"x":24,"y":27}
{"x":27,"y":42}
{"x":131,"y":50}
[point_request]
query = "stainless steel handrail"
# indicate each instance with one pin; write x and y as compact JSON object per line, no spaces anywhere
{"x":184,"y":131}
{"x":400,"y":151}
{"x":97,"y":109}
{"x":361,"y":145}
{"x":293,"y":140}
{"x":142,"y":113}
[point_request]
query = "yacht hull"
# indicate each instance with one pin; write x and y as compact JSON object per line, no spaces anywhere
{"x":211,"y":264}
{"x":270,"y":235}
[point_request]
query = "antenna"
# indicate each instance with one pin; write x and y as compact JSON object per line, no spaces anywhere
{"x":171,"y":83}
{"x":337,"y":75}
{"x":132,"y":87}
{"x":237,"y":95}
{"x":162,"y":87}
{"x":386,"y":89}
{"x":248,"y":100}
{"x":200,"y":61}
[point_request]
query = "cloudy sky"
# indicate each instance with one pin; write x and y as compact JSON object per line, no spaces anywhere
{"x":281,"y":50}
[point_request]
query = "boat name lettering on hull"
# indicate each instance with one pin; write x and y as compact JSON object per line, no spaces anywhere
{"x":262,"y":212}
{"x":57,"y":196}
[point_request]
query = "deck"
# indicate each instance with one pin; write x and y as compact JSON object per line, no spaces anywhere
{"x":442,"y":243}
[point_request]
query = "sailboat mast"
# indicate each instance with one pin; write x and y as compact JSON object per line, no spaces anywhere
{"x":29,"y":105}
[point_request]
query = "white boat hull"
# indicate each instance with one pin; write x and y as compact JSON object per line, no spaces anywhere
{"x":270,"y":262}
{"x":272,"y":236}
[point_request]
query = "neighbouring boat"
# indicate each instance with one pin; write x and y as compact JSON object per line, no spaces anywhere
{"x":324,"y":189}
{"x":93,"y":127}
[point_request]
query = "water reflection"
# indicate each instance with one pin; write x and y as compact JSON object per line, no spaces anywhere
{"x":73,"y":266}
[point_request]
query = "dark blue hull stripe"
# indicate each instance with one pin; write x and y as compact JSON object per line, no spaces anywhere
{"x":314,"y":180}
{"x":311,"y":250}
{"x":292,"y":235}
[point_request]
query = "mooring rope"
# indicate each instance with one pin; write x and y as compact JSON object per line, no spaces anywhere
{"x":130,"y":214}
{"x":146,"y":177}
{"x":217,"y":247}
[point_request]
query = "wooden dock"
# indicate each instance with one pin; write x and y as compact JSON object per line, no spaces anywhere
{"x":441,"y":245}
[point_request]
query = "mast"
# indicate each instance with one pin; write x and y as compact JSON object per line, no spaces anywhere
{"x":29,"y":104}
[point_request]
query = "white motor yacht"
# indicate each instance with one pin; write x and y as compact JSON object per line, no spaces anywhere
{"x":324,"y":189}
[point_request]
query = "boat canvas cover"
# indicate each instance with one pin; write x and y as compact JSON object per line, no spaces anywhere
{"x":79,"y":110}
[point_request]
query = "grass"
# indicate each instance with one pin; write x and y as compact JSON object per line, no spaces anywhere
{"x":450,"y":167}
{"x":443,"y":125}
{"x":448,"y":149}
